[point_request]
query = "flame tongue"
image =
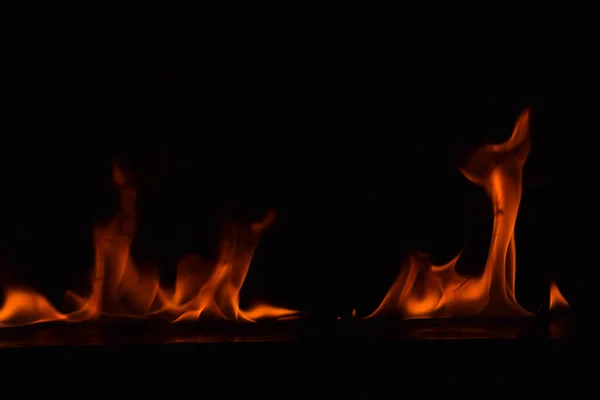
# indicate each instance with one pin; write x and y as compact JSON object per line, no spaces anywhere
{"x":120,"y":289}
{"x":24,"y":306}
{"x":499,"y":170}
{"x":557,"y":300}
{"x":218,"y":296}
{"x":423,"y":290}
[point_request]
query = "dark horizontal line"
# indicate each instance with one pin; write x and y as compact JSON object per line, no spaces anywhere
{"x":150,"y":332}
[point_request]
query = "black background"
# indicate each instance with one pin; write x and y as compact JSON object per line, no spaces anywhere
{"x":353,"y":136}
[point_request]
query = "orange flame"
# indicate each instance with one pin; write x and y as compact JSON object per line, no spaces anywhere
{"x":557,"y":300}
{"x":119,"y":289}
{"x":24,"y":306}
{"x":423,"y":290}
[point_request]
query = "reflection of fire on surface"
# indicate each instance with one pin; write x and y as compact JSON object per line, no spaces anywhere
{"x":557,"y":300}
{"x":423,"y":290}
{"x":118,"y":288}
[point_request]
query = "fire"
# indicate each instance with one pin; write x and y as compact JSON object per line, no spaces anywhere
{"x":120,"y":289}
{"x":24,"y":306}
{"x":211,"y":290}
{"x":557,"y":300}
{"x":423,"y":290}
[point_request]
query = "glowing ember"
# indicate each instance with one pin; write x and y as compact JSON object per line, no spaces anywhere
{"x":119,"y":289}
{"x":423,"y":290}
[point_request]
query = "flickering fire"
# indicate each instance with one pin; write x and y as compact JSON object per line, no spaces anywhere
{"x":205,"y":290}
{"x":424,"y":290}
{"x":557,"y":300}
{"x":120,"y":289}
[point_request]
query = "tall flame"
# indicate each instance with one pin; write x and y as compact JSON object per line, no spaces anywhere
{"x":423,"y":290}
{"x":557,"y":300}
{"x":120,"y":289}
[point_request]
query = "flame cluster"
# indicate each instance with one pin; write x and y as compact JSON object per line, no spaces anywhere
{"x":119,"y":289}
{"x":204,"y":290}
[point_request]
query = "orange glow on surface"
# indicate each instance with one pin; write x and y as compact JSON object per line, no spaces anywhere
{"x":557,"y":300}
{"x":423,"y":290}
{"x":120,"y":289}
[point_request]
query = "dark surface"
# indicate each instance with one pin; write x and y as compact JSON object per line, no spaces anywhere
{"x":145,"y":332}
{"x":360,"y":359}
{"x":280,"y":369}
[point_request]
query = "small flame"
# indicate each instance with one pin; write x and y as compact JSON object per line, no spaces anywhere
{"x":120,"y":289}
{"x":24,"y":306}
{"x":423,"y":290}
{"x":557,"y":300}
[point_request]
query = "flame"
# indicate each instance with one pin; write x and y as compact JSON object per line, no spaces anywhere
{"x":120,"y":289}
{"x":557,"y":300}
{"x":423,"y":290}
{"x":24,"y":306}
